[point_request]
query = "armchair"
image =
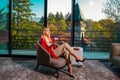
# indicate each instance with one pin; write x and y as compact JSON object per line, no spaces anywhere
{"x":43,"y":58}
{"x":115,"y":54}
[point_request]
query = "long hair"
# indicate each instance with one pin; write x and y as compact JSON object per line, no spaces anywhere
{"x":43,"y":34}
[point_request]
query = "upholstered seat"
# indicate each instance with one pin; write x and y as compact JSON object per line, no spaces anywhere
{"x":44,"y":58}
{"x":58,"y":63}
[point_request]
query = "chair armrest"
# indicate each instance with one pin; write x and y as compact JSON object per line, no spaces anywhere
{"x":43,"y":56}
{"x":115,"y":50}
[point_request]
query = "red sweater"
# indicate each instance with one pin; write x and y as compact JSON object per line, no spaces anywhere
{"x":48,"y":48}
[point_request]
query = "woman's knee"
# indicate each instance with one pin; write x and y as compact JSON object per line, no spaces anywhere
{"x":66,"y":44}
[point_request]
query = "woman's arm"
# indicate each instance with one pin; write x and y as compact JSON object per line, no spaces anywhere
{"x":48,"y":48}
{"x":54,"y":43}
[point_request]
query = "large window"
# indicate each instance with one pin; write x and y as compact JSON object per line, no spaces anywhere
{"x":4,"y":12}
{"x":59,"y":19}
{"x":94,"y":27}
{"x":85,"y":20}
{"x":91,"y":23}
{"x":27,"y":22}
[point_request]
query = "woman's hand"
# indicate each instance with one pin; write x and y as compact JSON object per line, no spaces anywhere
{"x":55,"y":44}
{"x":56,"y":39}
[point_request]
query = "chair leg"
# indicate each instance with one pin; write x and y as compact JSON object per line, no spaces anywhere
{"x":111,"y":65}
{"x":36,"y":67}
{"x":57,"y":73}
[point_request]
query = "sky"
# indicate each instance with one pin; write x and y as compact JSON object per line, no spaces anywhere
{"x":38,"y":7}
{"x":60,"y":6}
{"x":91,"y":9}
{"x":3,"y":4}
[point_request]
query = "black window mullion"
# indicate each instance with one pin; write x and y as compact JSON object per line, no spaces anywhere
{"x":73,"y":22}
{"x":45,"y":13}
{"x":9,"y":28}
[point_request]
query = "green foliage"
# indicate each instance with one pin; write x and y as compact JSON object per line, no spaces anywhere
{"x":57,"y":22}
{"x":102,"y":32}
{"x":25,"y":32}
{"x":21,"y":11}
{"x":53,"y":29}
{"x":51,"y":19}
{"x":67,"y":15}
{"x":100,"y":27}
{"x":3,"y":19}
{"x":112,"y":9}
{"x":107,"y":24}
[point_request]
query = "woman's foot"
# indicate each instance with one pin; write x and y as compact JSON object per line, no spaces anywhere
{"x":71,"y":75}
{"x":70,"y":71}
{"x":80,"y":60}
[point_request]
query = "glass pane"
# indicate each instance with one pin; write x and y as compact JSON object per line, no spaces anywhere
{"x":4,"y":26}
{"x":93,"y":32}
{"x":27,"y":23}
{"x":59,"y":12}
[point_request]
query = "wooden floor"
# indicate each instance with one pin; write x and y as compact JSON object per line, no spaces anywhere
{"x":22,"y":69}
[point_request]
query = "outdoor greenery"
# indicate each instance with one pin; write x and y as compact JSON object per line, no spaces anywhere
{"x":23,"y":28}
{"x":112,"y":9}
{"x":3,"y":19}
{"x":25,"y":31}
{"x":56,"y":22}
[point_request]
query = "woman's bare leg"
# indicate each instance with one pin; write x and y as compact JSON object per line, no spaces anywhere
{"x":76,"y":56}
{"x":68,"y":47}
{"x":70,"y":68}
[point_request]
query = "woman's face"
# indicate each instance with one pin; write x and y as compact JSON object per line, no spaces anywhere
{"x":47,"y":32}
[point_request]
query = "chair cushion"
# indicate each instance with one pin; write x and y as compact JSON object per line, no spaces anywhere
{"x":116,"y":61}
{"x":58,"y":63}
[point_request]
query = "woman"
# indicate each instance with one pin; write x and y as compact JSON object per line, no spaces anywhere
{"x":56,"y":50}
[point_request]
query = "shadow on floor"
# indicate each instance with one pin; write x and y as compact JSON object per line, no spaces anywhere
{"x":114,"y":69}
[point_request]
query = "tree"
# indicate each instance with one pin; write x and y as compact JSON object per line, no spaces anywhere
{"x":112,"y":9}
{"x":60,"y":21}
{"x":107,"y":24}
{"x":3,"y":18}
{"x":67,"y":15}
{"x":57,"y":16}
{"x":24,"y":29}
{"x":41,"y":22}
{"x":22,"y":12}
{"x":51,"y":18}
{"x":89,"y":24}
